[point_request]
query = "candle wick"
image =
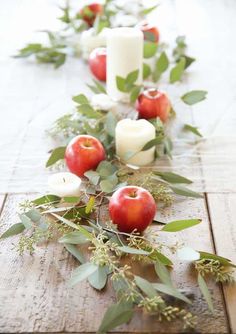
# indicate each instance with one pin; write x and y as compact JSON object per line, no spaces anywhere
{"x":64,"y":180}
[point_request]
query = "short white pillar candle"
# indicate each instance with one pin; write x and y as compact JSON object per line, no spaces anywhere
{"x":131,"y":136}
{"x":124,"y":55}
{"x":64,"y":184}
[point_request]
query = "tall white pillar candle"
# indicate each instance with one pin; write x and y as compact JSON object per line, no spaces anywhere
{"x":64,"y":184}
{"x":124,"y":55}
{"x":131,"y":136}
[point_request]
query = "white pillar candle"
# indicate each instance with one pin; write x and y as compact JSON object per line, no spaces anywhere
{"x":124,"y":55}
{"x":64,"y":184}
{"x":131,"y":136}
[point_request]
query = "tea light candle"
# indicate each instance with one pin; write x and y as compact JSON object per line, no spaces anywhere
{"x":124,"y":55}
{"x":64,"y":184}
{"x":131,"y":136}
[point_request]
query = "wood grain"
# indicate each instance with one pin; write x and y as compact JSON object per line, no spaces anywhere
{"x":34,"y":296}
{"x":223,"y":212}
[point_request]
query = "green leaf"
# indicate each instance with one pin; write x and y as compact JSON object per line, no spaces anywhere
{"x":147,"y":11}
{"x":168,"y":146}
{"x":47,"y":199}
{"x":60,"y":60}
{"x":92,"y":176}
{"x":194,"y":96}
{"x":28,"y":50}
{"x":179,"y":225}
{"x":131,"y":250}
{"x":106,"y":168}
{"x":120,"y":83}
{"x":82,"y":272}
{"x":224,"y":261}
{"x":150,"y":49}
{"x":13,"y":230}
{"x":205,"y":292}
{"x":26,"y":221}
{"x":98,"y":279}
{"x":34,"y":215}
{"x":193,"y":129}
{"x":107,"y":186}
{"x":75,"y":238}
{"x":162,"y":258}
{"x":81,"y":99}
{"x":172,"y":177}
{"x":110,"y":124}
{"x":188,"y":61}
{"x":75,"y":252}
{"x":71,"y":199}
{"x":88,"y":111}
{"x":146,"y":71}
{"x":162,"y":62}
{"x":116,"y":314}
{"x":145,"y":286}
{"x":100,"y":87}
{"x":177,"y":71}
{"x":56,"y":155}
{"x":131,"y":78}
{"x":151,"y":143}
{"x":171,"y":291}
{"x":90,"y":205}
{"x":163,"y":273}
{"x":183,"y":191}
{"x":135,"y":93}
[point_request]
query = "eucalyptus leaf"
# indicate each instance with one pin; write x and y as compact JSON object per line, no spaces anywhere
{"x":163,"y":273}
{"x":34,"y":215}
{"x":56,"y":155}
{"x":168,"y":146}
{"x":135,"y":93}
{"x":171,"y":291}
{"x":92,"y":176}
{"x":106,"y":168}
{"x":47,"y":199}
{"x":150,"y":49}
{"x":107,"y":186}
{"x":81,"y":99}
{"x":26,"y":221}
{"x":13,"y":230}
{"x":130,"y":250}
{"x":146,"y":71}
{"x":147,"y":11}
{"x":88,"y":111}
{"x":205,"y":292}
{"x":120,"y":83}
{"x":116,"y":314}
{"x":224,"y":261}
{"x":194,"y":97}
{"x":131,"y":78}
{"x":152,"y":143}
{"x":145,"y":286}
{"x":172,"y":177}
{"x":179,"y":225}
{"x":193,"y":129}
{"x":177,"y":71}
{"x":183,"y":191}
{"x":98,"y":279}
{"x":110,"y":124}
{"x":71,"y":199}
{"x":82,"y":272}
{"x":75,"y":238}
{"x":75,"y":252}
{"x":162,"y":64}
{"x":161,"y":257}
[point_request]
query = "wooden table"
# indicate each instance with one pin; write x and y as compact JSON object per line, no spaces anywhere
{"x":34,"y":296}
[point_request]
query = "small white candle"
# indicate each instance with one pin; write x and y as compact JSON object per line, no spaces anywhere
{"x":131,"y":136}
{"x":90,"y":41}
{"x":64,"y":184}
{"x":124,"y":55}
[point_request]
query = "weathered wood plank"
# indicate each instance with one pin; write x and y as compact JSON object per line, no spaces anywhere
{"x":34,"y":296}
{"x":223,"y":212}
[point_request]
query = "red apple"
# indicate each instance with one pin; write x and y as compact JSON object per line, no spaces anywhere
{"x":84,"y":153}
{"x":97,"y":63}
{"x":151,"y":33}
{"x":90,"y":12}
{"x":132,"y":208}
{"x":153,"y":103}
